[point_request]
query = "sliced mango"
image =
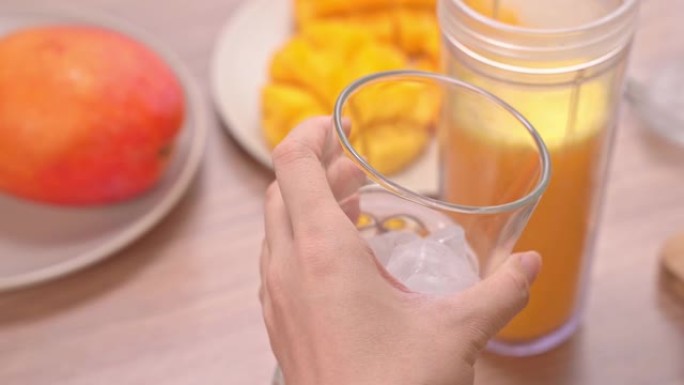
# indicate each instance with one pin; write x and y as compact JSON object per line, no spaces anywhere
{"x":285,"y":106}
{"x":390,"y":147}
{"x":306,"y":10}
{"x":390,"y":120}
{"x":339,"y":41}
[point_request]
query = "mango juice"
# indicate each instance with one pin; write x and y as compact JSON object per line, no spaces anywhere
{"x":559,"y":231}
{"x":561,"y":65}
{"x":487,"y":161}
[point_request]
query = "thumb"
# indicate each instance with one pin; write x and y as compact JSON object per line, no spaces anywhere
{"x":498,"y":298}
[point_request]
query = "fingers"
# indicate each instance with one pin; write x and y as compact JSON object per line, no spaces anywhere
{"x":496,"y":300}
{"x":278,"y":237}
{"x":333,"y":148}
{"x":345,"y":178}
{"x":264,"y":296}
{"x":298,"y":163}
{"x":276,"y":220}
{"x":264,"y":261}
{"x":351,"y":207}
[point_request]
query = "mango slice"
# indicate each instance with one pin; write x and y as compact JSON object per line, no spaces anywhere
{"x":391,"y":122}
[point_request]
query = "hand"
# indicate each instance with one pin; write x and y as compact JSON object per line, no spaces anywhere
{"x":334,"y":315}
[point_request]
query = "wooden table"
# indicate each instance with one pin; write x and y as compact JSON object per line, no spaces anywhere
{"x":180,"y":306}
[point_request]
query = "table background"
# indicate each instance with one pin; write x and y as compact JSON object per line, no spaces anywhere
{"x":180,"y":306}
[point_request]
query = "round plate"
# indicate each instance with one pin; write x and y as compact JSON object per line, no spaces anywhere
{"x":239,"y":69}
{"x":41,"y":242}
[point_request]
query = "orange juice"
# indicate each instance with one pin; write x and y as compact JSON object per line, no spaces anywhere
{"x":483,"y":161}
{"x":558,"y":230}
{"x":561,"y":65}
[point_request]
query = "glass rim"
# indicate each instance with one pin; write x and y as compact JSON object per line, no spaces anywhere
{"x":406,"y":193}
{"x":616,"y":13}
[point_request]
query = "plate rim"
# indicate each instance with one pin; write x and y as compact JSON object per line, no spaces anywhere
{"x":216,"y":74}
{"x":144,"y":223}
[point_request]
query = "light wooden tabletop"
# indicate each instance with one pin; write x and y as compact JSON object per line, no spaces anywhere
{"x":180,"y":306}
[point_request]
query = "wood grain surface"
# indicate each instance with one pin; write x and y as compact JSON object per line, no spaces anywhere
{"x":180,"y":305}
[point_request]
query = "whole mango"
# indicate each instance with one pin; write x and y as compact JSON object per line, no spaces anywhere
{"x":87,"y":115}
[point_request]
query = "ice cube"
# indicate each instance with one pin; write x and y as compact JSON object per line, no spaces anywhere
{"x":453,"y":237}
{"x":383,"y":244}
{"x":426,"y":284}
{"x":419,"y":256}
{"x":430,"y":266}
{"x":435,"y":284}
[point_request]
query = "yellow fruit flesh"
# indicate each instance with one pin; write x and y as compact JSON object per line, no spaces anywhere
{"x":311,"y":70}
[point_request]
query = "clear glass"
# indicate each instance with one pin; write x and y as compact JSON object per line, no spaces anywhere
{"x":432,"y":161}
{"x":415,"y":135}
{"x":561,"y":63}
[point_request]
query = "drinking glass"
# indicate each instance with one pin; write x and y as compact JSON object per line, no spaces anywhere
{"x":426,"y":141}
{"x":436,"y":160}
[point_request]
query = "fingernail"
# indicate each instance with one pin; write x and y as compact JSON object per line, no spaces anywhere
{"x":531,"y":264}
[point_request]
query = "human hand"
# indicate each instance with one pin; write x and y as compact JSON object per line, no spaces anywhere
{"x":334,"y":315}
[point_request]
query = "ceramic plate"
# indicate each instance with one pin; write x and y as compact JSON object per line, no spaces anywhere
{"x":240,"y":68}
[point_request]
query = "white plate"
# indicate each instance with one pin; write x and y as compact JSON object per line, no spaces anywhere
{"x":240,"y":69}
{"x":42,"y":242}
